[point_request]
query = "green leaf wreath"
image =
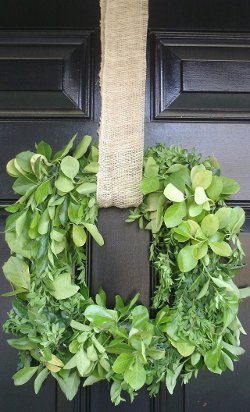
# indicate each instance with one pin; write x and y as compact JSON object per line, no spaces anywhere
{"x":60,"y":330}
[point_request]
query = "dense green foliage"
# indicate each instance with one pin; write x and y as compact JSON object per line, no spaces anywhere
{"x":61,"y":331}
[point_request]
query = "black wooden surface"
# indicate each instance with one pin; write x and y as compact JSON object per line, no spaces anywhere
{"x":198,"y":62}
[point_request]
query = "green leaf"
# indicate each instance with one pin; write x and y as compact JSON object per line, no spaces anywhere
{"x":82,"y":147}
{"x":184,"y":230}
{"x":235,"y":350}
{"x":224,"y":216}
{"x":69,"y":385}
{"x":203,"y":290}
{"x":210,"y":225}
{"x":174,"y":214}
{"x":228,"y":361}
{"x":221,"y":248}
{"x":40,"y":379}
{"x":140,"y":316}
{"x":64,"y":184}
{"x":17,"y":272}
{"x":184,"y":348}
{"x":194,"y":209}
{"x":24,"y":375}
{"x":86,"y":188}
{"x":195,"y":358}
{"x":92,"y":229}
{"x":196,"y":169}
{"x":79,"y":235}
{"x":245,"y":292}
{"x":222,"y":284}
{"x":151,"y":168}
{"x":172,"y":193}
{"x":82,"y":362}
{"x":215,"y":189}
{"x":65,"y":150}
{"x":237,"y":219}
{"x":202,"y":178}
{"x":212,"y":358}
{"x":91,"y":379}
{"x":63,"y":288}
{"x":121,"y":363}
{"x":21,"y":343}
{"x":149,"y":184}
{"x":200,"y":196}
{"x":23,"y":185}
{"x":44,"y":149}
{"x":186,"y":259}
{"x":230,"y":186}
{"x":70,"y":167}
{"x":23,"y":160}
{"x":11,"y":168}
{"x":92,"y":167}
{"x":42,"y":192}
{"x":101,"y":316}
{"x":43,"y":225}
{"x":135,"y":375}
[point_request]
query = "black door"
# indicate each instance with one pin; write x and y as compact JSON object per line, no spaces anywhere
{"x":198,"y":95}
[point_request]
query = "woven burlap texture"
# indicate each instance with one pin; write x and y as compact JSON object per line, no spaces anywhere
{"x":122,"y":81}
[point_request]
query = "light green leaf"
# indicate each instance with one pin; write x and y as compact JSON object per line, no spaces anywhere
{"x":184,"y":348}
{"x":40,"y":379}
{"x":92,"y":167}
{"x":63,"y":287}
{"x":140,"y":316}
{"x":200,"y":196}
{"x":70,"y":167}
{"x":65,"y":150}
{"x":237,"y":219}
{"x":215,"y":189}
{"x":151,"y":168}
{"x":186,"y":259}
{"x":235,"y":350}
{"x":86,"y":188}
{"x":210,"y":225}
{"x":24,"y":375}
{"x":121,"y":363}
{"x":82,"y":147}
{"x":174,"y":214}
{"x":184,"y":230}
{"x":21,"y":343}
{"x":23,"y":160}
{"x":101,"y":316}
{"x":92,"y":229}
{"x":196,"y":169}
{"x":17,"y":272}
{"x":91,"y":379}
{"x":245,"y":292}
{"x":43,"y":225}
{"x":135,"y":375}
{"x":203,"y":290}
{"x":149,"y":184}
{"x":195,"y":358}
{"x":221,"y":248}
{"x":171,"y":377}
{"x":64,"y":184}
{"x":194,"y":209}
{"x":42,"y":192}
{"x":11,"y":169}
{"x":23,"y":185}
{"x":172,"y":193}
{"x":212,"y":358}
{"x":224,"y":216}
{"x":202,"y":178}
{"x":230,"y":186}
{"x":69,"y":385}
{"x":79,"y":235}
{"x":222,"y":284}
{"x":44,"y":149}
{"x":82,"y":362}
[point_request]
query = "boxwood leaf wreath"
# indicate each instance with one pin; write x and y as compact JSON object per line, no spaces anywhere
{"x":195,"y":252}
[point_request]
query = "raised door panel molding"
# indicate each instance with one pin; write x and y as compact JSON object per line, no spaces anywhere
{"x":200,"y":76}
{"x":46,"y":74}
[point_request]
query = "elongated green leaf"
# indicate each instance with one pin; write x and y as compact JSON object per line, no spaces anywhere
{"x":221,"y":248}
{"x":200,"y":196}
{"x":86,"y":188}
{"x":101,"y":316}
{"x":65,"y":150}
{"x":203,"y":290}
{"x":40,"y":379}
{"x":149,"y":184}
{"x":245,"y":292}
{"x":82,"y":147}
{"x":24,"y":375}
{"x":92,"y":167}
{"x":82,"y":362}
{"x":11,"y":168}
{"x":42,"y":192}
{"x":222,"y":284}
{"x":92,"y":229}
{"x":23,"y":185}
{"x":212,"y":358}
{"x":215,"y":189}
{"x":21,"y":343}
{"x":64,"y":184}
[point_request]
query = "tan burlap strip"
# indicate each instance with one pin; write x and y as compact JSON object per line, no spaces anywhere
{"x":122,"y":79}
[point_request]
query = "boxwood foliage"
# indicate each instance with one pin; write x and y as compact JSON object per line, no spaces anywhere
{"x":60,"y":330}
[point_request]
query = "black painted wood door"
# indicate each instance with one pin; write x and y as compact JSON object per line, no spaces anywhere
{"x":198,"y":94}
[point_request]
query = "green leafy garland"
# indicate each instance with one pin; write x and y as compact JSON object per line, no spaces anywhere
{"x":61,"y":331}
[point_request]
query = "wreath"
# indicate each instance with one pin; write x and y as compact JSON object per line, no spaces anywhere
{"x":60,"y":330}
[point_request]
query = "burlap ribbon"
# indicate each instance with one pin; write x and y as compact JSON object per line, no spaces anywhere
{"x":122,"y":79}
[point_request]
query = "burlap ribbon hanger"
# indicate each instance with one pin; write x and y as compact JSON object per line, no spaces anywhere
{"x":122,"y":80}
